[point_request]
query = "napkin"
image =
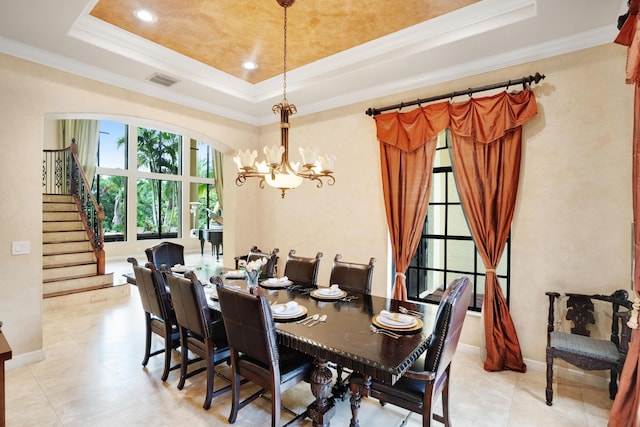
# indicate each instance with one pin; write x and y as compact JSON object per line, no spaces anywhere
{"x":235,"y":273}
{"x":277,"y":281}
{"x":397,"y":317}
{"x":283,"y":308}
{"x":331,"y":290}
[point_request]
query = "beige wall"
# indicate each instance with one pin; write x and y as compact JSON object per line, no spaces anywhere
{"x":31,"y":96}
{"x":571,"y":229}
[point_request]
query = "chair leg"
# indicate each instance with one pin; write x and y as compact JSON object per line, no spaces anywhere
{"x":445,"y":400}
{"x":210,"y":378}
{"x":549,"y":389}
{"x":167,"y":353}
{"x":613,"y":385}
{"x":147,"y":349}
{"x":275,"y":405}
{"x":184,"y":358}
{"x":235,"y":399}
{"x":427,"y":409}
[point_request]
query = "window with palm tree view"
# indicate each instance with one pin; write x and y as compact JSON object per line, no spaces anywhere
{"x":158,"y":182}
{"x":446,"y":250}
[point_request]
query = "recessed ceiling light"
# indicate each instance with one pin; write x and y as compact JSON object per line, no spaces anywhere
{"x":144,"y":15}
{"x":249,"y":65}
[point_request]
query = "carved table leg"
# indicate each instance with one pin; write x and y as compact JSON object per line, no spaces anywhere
{"x":322,"y":410}
{"x":357,"y":392}
{"x":340,"y":389}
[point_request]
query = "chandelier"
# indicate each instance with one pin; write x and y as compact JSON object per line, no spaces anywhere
{"x":277,"y":171}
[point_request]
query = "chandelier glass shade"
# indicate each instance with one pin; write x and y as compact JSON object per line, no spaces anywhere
{"x":277,"y":170}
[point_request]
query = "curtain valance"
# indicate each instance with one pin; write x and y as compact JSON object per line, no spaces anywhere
{"x":482,"y":119}
{"x":486,"y":119}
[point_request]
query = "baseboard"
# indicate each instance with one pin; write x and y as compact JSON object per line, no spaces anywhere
{"x":25,"y":359}
{"x":569,"y":373}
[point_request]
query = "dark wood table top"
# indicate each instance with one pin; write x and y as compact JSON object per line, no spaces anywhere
{"x":345,"y":337}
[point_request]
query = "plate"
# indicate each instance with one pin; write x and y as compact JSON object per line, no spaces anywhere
{"x":275,"y":285}
{"x":378,"y":320}
{"x":179,"y":269}
{"x":396,"y":323}
{"x":326,"y":295}
{"x":300,"y":310}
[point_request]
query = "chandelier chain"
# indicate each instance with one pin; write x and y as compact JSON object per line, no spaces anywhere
{"x":284,"y":73}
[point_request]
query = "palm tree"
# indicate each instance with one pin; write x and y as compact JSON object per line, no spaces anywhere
{"x":158,"y":152}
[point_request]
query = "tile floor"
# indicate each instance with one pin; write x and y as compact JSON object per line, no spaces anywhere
{"x":92,"y":376}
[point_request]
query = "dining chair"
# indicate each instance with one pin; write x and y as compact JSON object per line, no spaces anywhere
{"x":269,"y":269}
{"x":159,"y":316}
{"x":351,"y":276}
{"x":255,"y":353}
{"x":419,"y":387}
{"x":198,"y":333}
{"x":301,"y":270}
{"x":165,"y":255}
{"x":244,"y":256}
{"x":577,"y":346}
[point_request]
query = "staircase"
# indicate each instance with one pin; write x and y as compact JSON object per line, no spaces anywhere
{"x":68,"y":263}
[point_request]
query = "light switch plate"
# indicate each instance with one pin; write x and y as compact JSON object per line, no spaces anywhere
{"x":20,"y":247}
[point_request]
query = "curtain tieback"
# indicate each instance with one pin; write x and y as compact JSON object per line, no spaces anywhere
{"x":633,"y":320}
{"x":400,"y":274}
{"x":490,"y":270}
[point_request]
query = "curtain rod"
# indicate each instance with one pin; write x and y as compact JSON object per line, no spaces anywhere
{"x":524,"y":81}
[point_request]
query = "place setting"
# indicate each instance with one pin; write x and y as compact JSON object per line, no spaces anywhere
{"x":331,"y":293}
{"x":276,"y":283}
{"x":180,"y":269}
{"x":288,"y":312}
{"x":235,"y":274}
{"x":397,"y":323}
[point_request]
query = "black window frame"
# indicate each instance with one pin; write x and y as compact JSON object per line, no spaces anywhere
{"x":418,"y":272}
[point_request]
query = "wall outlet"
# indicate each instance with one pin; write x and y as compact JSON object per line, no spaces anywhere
{"x":20,"y":247}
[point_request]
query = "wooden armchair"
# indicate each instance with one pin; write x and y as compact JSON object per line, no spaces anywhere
{"x":578,"y":347}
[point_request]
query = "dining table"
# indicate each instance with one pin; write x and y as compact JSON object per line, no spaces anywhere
{"x":348,"y":331}
{"x":349,"y":335}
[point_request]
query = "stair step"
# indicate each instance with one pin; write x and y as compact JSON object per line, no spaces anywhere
{"x":61,"y":198}
{"x":73,"y":299}
{"x":69,"y":265}
{"x":64,"y":236}
{"x":59,"y":207}
{"x":61,"y":216}
{"x":68,"y":259}
{"x":68,"y":272}
{"x":78,"y":284}
{"x":62,"y":226}
{"x":65,"y":248}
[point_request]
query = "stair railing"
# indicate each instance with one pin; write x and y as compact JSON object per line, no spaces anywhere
{"x":62,"y":173}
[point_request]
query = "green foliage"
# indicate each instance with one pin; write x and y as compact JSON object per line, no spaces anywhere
{"x":112,"y":195}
